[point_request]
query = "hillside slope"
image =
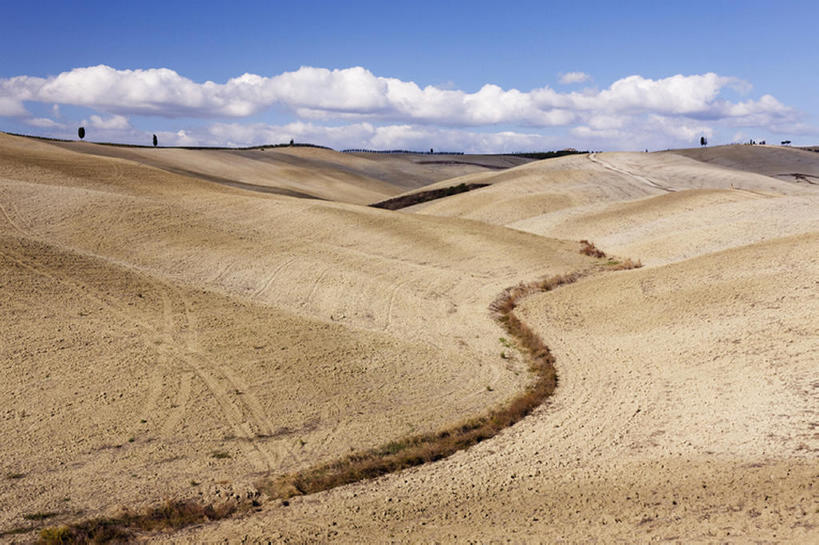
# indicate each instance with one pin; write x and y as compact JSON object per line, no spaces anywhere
{"x":686,"y":406}
{"x":298,"y":171}
{"x":162,"y":330}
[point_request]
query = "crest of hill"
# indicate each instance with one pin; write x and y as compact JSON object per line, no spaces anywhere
{"x":305,"y":171}
{"x":786,"y":163}
{"x":272,"y":331}
{"x":658,"y":207}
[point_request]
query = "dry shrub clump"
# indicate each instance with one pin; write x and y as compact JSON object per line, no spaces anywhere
{"x":587,"y":248}
{"x":120,"y":529}
{"x":625,"y":265}
{"x":423,"y":448}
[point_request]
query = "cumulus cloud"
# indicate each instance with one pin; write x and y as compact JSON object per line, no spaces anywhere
{"x":11,"y":107}
{"x":574,"y":77}
{"x":115,"y":122}
{"x":357,"y":94}
{"x":389,"y":112}
{"x":43,"y":122}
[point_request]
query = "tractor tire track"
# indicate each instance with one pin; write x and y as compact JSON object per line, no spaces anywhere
{"x":230,"y":406}
{"x":643,"y":179}
{"x":272,"y":278}
{"x":167,"y":347}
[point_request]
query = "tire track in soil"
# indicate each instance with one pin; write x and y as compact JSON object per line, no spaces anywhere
{"x":157,"y":381}
{"x":180,"y":405}
{"x":391,"y":303}
{"x":256,"y":422}
{"x":229,"y":405}
{"x":314,"y":287}
{"x":643,"y":179}
{"x":190,"y":357}
{"x":11,"y":222}
{"x":272,"y":278}
{"x":221,"y":273}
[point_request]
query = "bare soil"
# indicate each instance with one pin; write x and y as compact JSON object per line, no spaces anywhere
{"x":164,"y":336}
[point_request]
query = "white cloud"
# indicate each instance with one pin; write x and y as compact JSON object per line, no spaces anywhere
{"x":115,"y":122}
{"x":574,"y":77}
{"x":381,"y":112}
{"x":43,"y":122}
{"x":11,"y":107}
{"x":357,"y":94}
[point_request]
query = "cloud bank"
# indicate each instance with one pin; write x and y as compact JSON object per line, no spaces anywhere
{"x":677,"y":107}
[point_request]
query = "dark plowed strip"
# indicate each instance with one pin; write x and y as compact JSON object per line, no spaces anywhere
{"x":397,"y":203}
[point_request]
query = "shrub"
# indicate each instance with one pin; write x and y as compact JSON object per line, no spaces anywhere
{"x":587,"y":248}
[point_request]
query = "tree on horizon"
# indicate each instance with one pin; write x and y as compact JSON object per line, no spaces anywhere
{"x":155,"y":141}
{"x":81,"y":132}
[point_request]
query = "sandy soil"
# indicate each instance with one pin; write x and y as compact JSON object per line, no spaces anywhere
{"x":254,"y":334}
{"x":781,"y":162}
{"x":283,"y":331}
{"x":686,"y":413}
{"x":360,"y":178}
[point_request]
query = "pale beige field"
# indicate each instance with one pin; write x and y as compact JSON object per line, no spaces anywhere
{"x":165,"y":336}
{"x":360,"y":178}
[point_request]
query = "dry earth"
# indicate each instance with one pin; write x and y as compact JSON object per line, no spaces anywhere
{"x":233,"y":333}
{"x":160,"y":330}
{"x":360,"y":178}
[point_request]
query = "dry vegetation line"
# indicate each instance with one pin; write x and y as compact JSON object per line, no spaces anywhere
{"x":395,"y":456}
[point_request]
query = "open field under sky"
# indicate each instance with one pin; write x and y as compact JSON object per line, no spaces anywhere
{"x":186,"y":323}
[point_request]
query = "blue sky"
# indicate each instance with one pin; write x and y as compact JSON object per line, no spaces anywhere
{"x":472,"y":76}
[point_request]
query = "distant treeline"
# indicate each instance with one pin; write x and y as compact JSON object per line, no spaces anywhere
{"x":526,"y":154}
{"x":261,"y":147}
{"x":116,"y":144}
{"x":402,"y":151}
{"x":545,"y":154}
{"x":529,"y":154}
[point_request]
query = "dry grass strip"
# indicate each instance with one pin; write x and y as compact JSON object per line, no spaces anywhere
{"x":172,"y":515}
{"x":392,"y":457}
{"x":419,"y":449}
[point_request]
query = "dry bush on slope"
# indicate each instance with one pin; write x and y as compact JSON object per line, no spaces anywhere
{"x":590,"y":249}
